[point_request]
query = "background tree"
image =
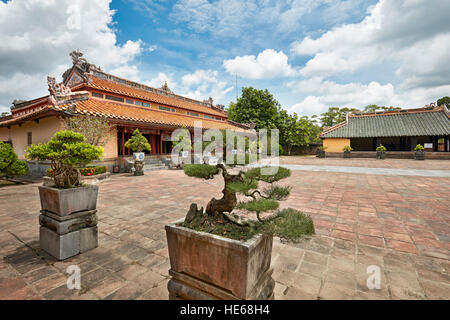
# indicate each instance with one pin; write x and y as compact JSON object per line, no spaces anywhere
{"x":335,"y":115}
{"x":96,"y":130}
{"x":10,"y":165}
{"x":255,"y":106}
{"x":444,"y":100}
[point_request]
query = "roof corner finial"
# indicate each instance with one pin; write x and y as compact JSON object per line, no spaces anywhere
{"x":165,"y":87}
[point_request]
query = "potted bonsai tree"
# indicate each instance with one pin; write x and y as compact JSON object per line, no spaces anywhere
{"x":321,"y":152}
{"x":10,"y":165}
{"x":441,"y":144}
{"x":419,"y":152}
{"x":347,"y":151}
{"x":381,"y":152}
{"x":68,"y":220}
{"x":216,"y":253}
{"x":182,"y":148}
{"x":138,"y":143}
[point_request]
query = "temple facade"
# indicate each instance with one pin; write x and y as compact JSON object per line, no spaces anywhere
{"x":127,"y":105}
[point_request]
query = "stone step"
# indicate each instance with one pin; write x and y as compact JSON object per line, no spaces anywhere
{"x":153,"y":168}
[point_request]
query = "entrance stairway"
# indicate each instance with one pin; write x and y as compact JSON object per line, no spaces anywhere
{"x":154,"y":163}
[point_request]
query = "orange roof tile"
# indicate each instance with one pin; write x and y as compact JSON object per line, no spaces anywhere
{"x":127,"y":90}
{"x":120,"y":111}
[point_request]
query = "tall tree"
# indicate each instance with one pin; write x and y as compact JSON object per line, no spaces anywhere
{"x":96,"y":130}
{"x":255,"y":106}
{"x":335,"y":115}
{"x":444,"y":100}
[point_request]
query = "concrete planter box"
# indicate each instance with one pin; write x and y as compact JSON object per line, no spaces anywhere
{"x":63,"y":202}
{"x":321,"y":153}
{"x":206,"y":266}
{"x":419,"y":155}
{"x":381,"y":155}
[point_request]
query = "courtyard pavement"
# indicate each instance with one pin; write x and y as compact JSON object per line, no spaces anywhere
{"x":397,"y":223}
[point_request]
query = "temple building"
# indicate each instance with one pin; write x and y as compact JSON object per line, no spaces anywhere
{"x":87,"y":90}
{"x":399,"y":131}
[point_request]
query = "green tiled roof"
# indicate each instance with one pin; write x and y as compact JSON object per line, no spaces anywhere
{"x":431,"y":123}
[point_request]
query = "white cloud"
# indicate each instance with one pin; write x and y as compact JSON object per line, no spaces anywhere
{"x":268,"y":64}
{"x":36,"y":38}
{"x":411,"y":35}
{"x":199,"y":85}
{"x":404,"y":41}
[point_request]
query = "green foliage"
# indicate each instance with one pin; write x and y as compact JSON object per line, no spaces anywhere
{"x":260,"y":174}
{"x":289,"y":224}
{"x":137,"y":142}
{"x":347,"y":148}
{"x":335,"y":115}
{"x":441,"y":140}
{"x":419,"y":147}
{"x":255,"y":106}
{"x":10,"y":165}
{"x":277,"y":192}
{"x":243,"y":187}
{"x":259,"y":205}
{"x":65,"y":150}
{"x":444,"y":101}
{"x":322,"y":148}
{"x":204,"y":171}
{"x":381,"y":148}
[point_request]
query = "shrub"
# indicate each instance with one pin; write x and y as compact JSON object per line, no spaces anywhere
{"x":322,"y":148}
{"x":218,"y":217}
{"x":347,"y":148}
{"x":137,"y":142}
{"x":66,"y":150}
{"x":10,"y":165}
{"x":419,"y":147}
{"x":381,"y":148}
{"x":441,"y":140}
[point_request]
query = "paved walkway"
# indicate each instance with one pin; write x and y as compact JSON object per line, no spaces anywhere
{"x":378,"y":171}
{"x":400,"y":224}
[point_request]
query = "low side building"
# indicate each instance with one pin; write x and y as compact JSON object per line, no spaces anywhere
{"x":398,"y":131}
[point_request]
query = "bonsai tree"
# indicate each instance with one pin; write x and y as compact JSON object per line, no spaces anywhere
{"x":220,"y":215}
{"x":347,"y":149}
{"x":137,"y":142}
{"x":381,"y":148}
{"x":10,"y":165}
{"x":66,"y":150}
{"x":419,"y":147}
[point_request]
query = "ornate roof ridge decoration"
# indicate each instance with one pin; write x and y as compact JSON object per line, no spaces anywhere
{"x":166,"y":88}
{"x":82,"y":65}
{"x":60,"y":94}
{"x":395,"y":112}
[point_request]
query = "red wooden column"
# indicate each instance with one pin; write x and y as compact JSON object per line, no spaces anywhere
{"x":123,"y":142}
{"x":160,"y":143}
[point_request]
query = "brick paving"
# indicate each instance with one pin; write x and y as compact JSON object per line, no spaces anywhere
{"x":399,"y":223}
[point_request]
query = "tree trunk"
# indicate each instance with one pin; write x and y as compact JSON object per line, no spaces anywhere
{"x":227,"y":203}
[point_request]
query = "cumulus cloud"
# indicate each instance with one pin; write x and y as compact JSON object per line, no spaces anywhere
{"x":412,"y":35}
{"x":200,"y":85}
{"x":37,"y":36}
{"x":407,"y":40}
{"x":268,"y":64}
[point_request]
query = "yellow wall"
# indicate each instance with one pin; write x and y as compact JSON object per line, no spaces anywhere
{"x":41,"y":133}
{"x":335,"y":145}
{"x":110,"y":149}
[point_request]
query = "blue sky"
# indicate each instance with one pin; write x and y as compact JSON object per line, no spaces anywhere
{"x":311,"y":54}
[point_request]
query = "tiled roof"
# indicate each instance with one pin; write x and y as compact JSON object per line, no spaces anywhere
{"x":125,"y":112}
{"x":122,"y":89}
{"x":418,"y":122}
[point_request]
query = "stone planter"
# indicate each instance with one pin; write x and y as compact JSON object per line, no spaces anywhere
{"x":419,"y":155}
{"x":321,"y":153}
{"x":381,"y":155}
{"x":206,"y":266}
{"x":63,"y":202}
{"x":68,"y":220}
{"x":347,"y":154}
